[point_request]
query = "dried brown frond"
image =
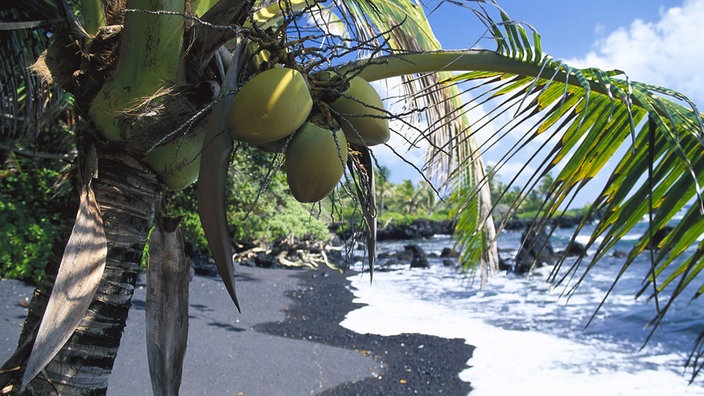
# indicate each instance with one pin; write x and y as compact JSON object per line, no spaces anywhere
{"x":114,"y":11}
{"x":41,"y":69}
{"x":149,"y":106}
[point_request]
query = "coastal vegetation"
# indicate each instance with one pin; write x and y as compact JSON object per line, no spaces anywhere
{"x":260,"y":212}
{"x":153,"y":145}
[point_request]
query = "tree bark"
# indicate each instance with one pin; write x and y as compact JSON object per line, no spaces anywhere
{"x":127,"y":195}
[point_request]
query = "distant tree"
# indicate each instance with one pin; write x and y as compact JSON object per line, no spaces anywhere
{"x":405,"y":199}
{"x":384,"y":187}
{"x":427,"y":198}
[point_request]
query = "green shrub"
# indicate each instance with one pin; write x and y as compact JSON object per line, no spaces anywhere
{"x":259,"y":206}
{"x":28,"y":225}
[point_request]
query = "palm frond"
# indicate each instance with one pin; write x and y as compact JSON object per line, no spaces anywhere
{"x":405,"y":28}
{"x":590,"y":120}
{"x":592,"y":117}
{"x":580,"y":123}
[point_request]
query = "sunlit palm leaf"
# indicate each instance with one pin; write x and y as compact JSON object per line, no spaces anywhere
{"x":591,"y":124}
{"x":593,"y":120}
{"x":76,"y":283}
{"x":577,"y":123}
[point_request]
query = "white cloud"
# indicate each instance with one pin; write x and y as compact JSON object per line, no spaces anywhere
{"x":667,"y":52}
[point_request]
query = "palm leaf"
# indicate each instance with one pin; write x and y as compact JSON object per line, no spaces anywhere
{"x":595,"y":123}
{"x":166,"y":308}
{"x":655,"y":136}
{"x":577,"y":122}
{"x":76,"y":283}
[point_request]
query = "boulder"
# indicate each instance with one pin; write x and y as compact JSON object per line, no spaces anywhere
{"x":504,"y":264}
{"x":265,"y":260}
{"x":575,"y":249}
{"x":535,"y":251}
{"x":404,"y":255}
{"x":385,"y":255}
{"x":201,"y":263}
{"x":419,"y":257}
{"x":619,"y":254}
{"x":449,"y":252}
{"x":659,"y":236}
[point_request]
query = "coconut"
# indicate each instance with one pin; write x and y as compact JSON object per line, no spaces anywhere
{"x":314,"y":161}
{"x":270,"y":106}
{"x":177,"y":162}
{"x":361,"y":114}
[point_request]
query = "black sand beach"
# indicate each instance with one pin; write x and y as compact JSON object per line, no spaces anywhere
{"x":287,"y":341}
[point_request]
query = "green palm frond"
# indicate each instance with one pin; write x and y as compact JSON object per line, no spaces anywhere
{"x":586,"y":122}
{"x":590,"y":120}
{"x":578,"y":123}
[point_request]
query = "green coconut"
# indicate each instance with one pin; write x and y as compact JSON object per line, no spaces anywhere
{"x":361,"y":114}
{"x":270,"y":106}
{"x":315,"y":160}
{"x":177,"y":162}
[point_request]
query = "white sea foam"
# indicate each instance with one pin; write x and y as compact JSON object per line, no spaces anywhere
{"x":529,"y":339}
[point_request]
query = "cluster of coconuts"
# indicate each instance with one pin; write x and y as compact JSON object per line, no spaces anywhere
{"x":275,"y":109}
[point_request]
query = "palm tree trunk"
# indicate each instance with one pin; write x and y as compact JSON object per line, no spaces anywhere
{"x":128,"y":197}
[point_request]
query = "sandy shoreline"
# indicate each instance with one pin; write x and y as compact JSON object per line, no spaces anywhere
{"x":287,"y":341}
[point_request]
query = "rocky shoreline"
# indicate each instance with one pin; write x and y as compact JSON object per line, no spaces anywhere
{"x":289,"y":253}
{"x":425,"y":228}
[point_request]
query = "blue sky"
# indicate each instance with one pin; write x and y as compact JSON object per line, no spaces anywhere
{"x":569,"y":28}
{"x":657,"y":42}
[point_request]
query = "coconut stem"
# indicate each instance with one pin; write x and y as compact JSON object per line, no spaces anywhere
{"x":148,"y":64}
{"x":93,"y":16}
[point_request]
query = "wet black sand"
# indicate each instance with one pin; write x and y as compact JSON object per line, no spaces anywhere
{"x":287,"y":341}
{"x":411,"y":363}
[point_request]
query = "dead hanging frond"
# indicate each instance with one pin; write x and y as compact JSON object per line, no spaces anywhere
{"x":166,"y":309}
{"x":78,"y":277}
{"x":445,"y":131}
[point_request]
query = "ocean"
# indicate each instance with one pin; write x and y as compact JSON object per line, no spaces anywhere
{"x":530,"y":338}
